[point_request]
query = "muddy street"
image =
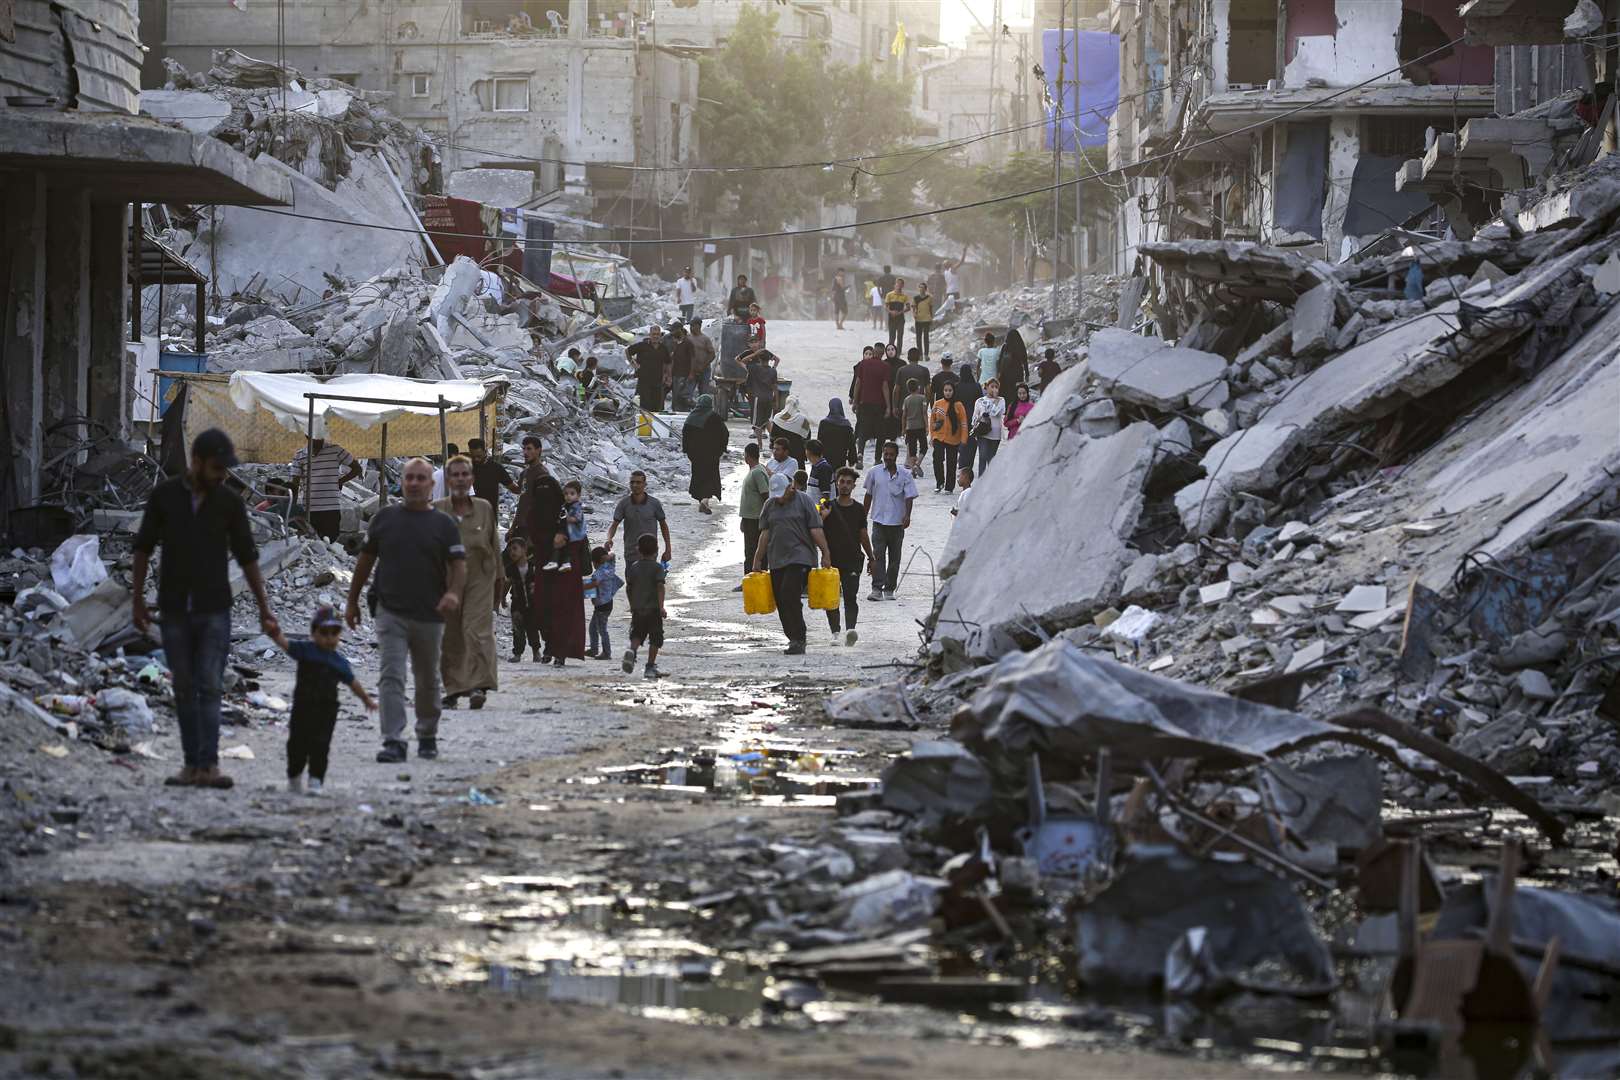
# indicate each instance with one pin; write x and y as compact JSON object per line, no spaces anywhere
{"x":530,"y":904}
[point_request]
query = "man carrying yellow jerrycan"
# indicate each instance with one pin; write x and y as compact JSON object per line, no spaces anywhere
{"x":790,"y":535}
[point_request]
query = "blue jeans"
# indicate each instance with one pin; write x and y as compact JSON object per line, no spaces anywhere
{"x":987,"y":454}
{"x":196,"y":646}
{"x":599,"y":628}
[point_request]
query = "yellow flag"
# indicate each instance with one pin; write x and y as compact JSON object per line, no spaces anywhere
{"x":898,"y":48}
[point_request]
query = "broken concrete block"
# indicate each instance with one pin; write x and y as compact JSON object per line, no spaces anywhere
{"x":1535,"y":685}
{"x":1100,"y":419}
{"x":1139,"y":578}
{"x":1213,"y":397}
{"x":1264,"y":616}
{"x":1293,"y":530}
{"x":1234,"y":645}
{"x":1348,"y":332}
{"x":1364,"y":598}
{"x":1312,"y":325}
{"x":1271,"y":343}
{"x":1218,"y":422}
{"x":1372,"y":620}
{"x":1488,"y":273}
{"x":1606,"y":279}
{"x":1304,"y":658}
{"x":1102,"y":480}
{"x":1149,"y":372}
{"x":1291,"y":604}
{"x":1239,"y":573}
{"x":1202,"y":506}
{"x":1182,"y":555}
{"x":1248,"y":409}
{"x":1445,"y":288}
{"x":1176,"y":437}
{"x":1215,"y":593}
{"x":1260,"y":375}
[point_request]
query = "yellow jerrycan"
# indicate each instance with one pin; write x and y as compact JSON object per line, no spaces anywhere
{"x":824,"y":589}
{"x":758,"y":597}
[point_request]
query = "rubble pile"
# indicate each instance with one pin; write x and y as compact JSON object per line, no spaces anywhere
{"x":1028,"y":309}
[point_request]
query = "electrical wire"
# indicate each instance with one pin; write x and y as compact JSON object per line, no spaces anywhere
{"x":892,"y":218}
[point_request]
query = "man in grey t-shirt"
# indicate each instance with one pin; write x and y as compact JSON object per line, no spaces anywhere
{"x":640,"y":514}
{"x":423,"y":568}
{"x":790,"y":533}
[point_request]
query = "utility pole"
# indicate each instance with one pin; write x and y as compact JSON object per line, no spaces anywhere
{"x":1079,"y":171}
{"x":995,"y":63}
{"x":1057,"y":149}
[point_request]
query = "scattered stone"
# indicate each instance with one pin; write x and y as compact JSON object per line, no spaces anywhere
{"x":1535,"y":685}
{"x":1216,"y":593}
{"x":1364,"y":598}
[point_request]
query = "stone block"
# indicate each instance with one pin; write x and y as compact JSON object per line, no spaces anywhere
{"x":1313,"y":320}
{"x":1148,"y":372}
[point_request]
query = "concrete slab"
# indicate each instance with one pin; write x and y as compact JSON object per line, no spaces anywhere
{"x":504,"y":188}
{"x":1073,"y":498}
{"x":1312,"y":326}
{"x":1149,"y":372}
{"x":1364,"y":383}
{"x":197,"y":111}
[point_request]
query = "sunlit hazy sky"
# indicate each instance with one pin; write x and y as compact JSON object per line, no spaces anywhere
{"x":956,"y":16}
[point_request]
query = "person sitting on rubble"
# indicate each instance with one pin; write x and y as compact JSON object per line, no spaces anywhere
{"x":587,"y":376}
{"x":321,"y":670}
{"x":328,"y":467}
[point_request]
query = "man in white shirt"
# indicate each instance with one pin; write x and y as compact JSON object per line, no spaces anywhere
{"x":781,"y":461}
{"x":440,"y":491}
{"x":890,"y":491}
{"x":324,"y":470}
{"x":686,"y":289}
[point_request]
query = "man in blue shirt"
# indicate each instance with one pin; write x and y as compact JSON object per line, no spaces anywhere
{"x":890,"y":491}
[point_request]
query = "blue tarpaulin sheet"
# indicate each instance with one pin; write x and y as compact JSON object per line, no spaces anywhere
{"x":1098,"y":68}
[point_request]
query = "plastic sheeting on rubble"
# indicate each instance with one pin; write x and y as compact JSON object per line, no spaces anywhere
{"x":76,"y":567}
{"x":938,"y":780}
{"x":1124,"y":936}
{"x":1066,"y":704}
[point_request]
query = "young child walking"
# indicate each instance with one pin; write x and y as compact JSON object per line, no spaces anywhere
{"x":644,"y":584}
{"x":914,"y":413}
{"x":559,"y":602}
{"x":601,"y":587}
{"x":574,"y":522}
{"x":519,"y":585}
{"x":321,"y":669}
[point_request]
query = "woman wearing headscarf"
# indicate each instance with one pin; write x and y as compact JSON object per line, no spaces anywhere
{"x":703,"y":440}
{"x":837,"y":436}
{"x":1013,"y":367}
{"x":467,"y":652}
{"x":1018,"y":408}
{"x":948,"y":427}
{"x":791,"y":424}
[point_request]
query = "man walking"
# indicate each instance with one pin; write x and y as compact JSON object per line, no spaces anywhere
{"x":869,"y":389}
{"x":650,"y":358}
{"x":922,"y":316}
{"x":682,"y":360}
{"x":686,"y":290}
{"x":790,"y":536}
{"x":840,"y":299}
{"x":423,"y":569}
{"x":756,"y":488}
{"x":886,"y":280}
{"x":489,"y":475}
{"x":844,"y":520}
{"x":890,"y":491}
{"x":945,"y":374}
{"x":198,"y":523}
{"x":327,"y":469}
{"x":897,"y":304}
{"x":641,"y":515}
{"x":703,"y":354}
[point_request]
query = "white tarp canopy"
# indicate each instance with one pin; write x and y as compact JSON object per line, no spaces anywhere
{"x":266,"y":415}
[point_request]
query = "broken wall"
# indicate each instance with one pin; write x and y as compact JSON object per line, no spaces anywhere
{"x":86,"y":56}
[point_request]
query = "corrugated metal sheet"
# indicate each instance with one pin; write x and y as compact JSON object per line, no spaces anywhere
{"x":1528,"y":75}
{"x":84,"y":53}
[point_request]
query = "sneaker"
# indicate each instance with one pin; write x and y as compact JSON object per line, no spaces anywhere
{"x":850,"y":637}
{"x":476,"y":700}
{"x":517,"y":656}
{"x":795,"y":648}
{"x":537,"y":656}
{"x":427,"y":749}
{"x":877,"y":594}
{"x":651,"y":672}
{"x":316,"y":786}
{"x":835,"y":637}
{"x":590,"y":653}
{"x":738,"y":587}
{"x":295,"y":784}
{"x":559,"y":661}
{"x":888,"y":594}
{"x":549,"y":566}
{"x":213,"y":778}
{"x":629,"y":661}
{"x":186,"y":777}
{"x":392,"y":753}
{"x":448,"y":701}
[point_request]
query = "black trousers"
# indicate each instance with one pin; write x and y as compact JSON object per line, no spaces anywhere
{"x":326,"y":523}
{"x":750,"y":531}
{"x":309,"y":739}
{"x":524,"y":632}
{"x":850,"y":586}
{"x":945,"y":465}
{"x":897,"y":331}
{"x":788,"y":582}
{"x":924,"y":330}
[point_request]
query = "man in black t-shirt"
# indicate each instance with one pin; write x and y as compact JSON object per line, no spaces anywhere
{"x":489,"y":475}
{"x":422,"y":567}
{"x":843,"y":520}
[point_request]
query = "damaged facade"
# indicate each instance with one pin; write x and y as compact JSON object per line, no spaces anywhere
{"x":499,"y":87}
{"x":73,"y":160}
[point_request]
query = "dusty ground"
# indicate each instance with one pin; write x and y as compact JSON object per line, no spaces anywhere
{"x":371,"y":932}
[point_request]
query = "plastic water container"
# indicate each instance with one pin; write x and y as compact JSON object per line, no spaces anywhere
{"x":825,"y":589}
{"x":758,"y":597}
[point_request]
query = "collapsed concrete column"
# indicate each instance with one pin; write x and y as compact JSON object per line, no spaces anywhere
{"x":22,"y":327}
{"x":107,"y":395}
{"x":67,"y":307}
{"x":1344,"y":148}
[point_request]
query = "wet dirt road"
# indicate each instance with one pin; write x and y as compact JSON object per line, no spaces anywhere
{"x":501,"y":912}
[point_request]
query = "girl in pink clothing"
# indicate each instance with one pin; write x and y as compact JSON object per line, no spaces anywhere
{"x":1018,"y":410}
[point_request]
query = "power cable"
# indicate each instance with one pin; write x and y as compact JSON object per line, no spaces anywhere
{"x":890,"y":219}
